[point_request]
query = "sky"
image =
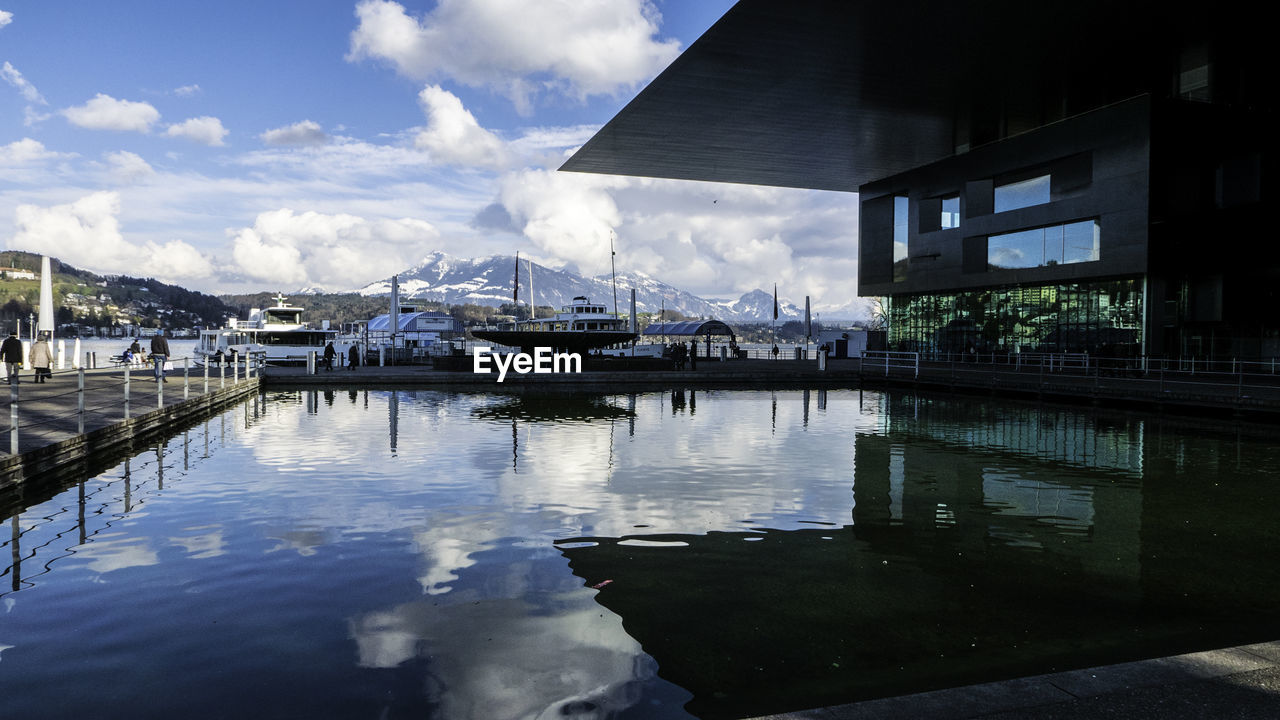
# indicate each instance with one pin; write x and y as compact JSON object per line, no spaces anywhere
{"x":246,"y":146}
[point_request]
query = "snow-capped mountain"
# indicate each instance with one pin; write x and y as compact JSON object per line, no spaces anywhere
{"x":488,"y":281}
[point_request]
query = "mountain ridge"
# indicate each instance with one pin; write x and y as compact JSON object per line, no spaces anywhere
{"x":489,"y":281}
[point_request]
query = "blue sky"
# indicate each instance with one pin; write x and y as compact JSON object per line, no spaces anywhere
{"x":239,"y":146}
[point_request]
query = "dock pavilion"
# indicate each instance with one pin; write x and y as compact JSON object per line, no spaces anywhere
{"x":694,"y":329}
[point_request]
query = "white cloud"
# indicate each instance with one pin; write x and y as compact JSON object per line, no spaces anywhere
{"x":517,"y":47}
{"x":104,"y":112}
{"x":86,"y":233}
{"x":204,"y":130}
{"x":187,"y":90}
{"x":715,"y":240}
{"x":452,"y":135}
{"x":339,"y":251}
{"x":127,"y":167}
{"x":14,"y":78}
{"x":307,"y":132}
{"x":568,"y":216}
{"x":6,"y":17}
{"x":25,"y":152}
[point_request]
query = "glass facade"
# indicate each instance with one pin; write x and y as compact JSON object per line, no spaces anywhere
{"x":1101,"y":318}
{"x":1022,"y":194}
{"x":1053,"y":245}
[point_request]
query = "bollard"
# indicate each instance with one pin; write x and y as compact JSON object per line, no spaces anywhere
{"x":235,"y":373}
{"x":311,"y":362}
{"x":206,"y":375}
{"x":80,"y":401}
{"x":222,"y":376}
{"x":186,"y":378}
{"x":126,"y":392}
{"x":160,"y":390}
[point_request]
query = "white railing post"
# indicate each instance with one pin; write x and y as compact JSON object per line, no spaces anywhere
{"x":80,"y":400}
{"x":126,"y":391}
{"x":13,"y":417}
{"x":206,"y":374}
{"x":186,"y":378}
{"x":160,"y":388}
{"x":222,"y":376}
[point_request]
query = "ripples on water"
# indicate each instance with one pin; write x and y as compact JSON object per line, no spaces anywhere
{"x":661,"y":555}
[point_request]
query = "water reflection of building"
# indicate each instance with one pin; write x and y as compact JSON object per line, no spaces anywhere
{"x":1085,"y":178}
{"x":977,"y":548}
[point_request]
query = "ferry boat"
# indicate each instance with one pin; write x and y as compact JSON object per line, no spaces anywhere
{"x":276,"y":334}
{"x":580,"y":326}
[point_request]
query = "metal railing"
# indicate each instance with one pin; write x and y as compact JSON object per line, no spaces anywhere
{"x":891,"y":359}
{"x":1242,"y":382}
{"x":108,"y":393}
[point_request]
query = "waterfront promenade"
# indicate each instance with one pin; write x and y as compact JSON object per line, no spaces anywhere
{"x":59,"y":426}
{"x":1240,"y":683}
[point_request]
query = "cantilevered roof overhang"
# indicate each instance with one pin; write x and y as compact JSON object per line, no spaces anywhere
{"x":832,"y":94}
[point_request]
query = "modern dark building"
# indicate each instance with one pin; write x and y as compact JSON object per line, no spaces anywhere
{"x":1086,"y":177}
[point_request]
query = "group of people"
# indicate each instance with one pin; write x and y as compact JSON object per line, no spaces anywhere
{"x":40,"y":357}
{"x":680,"y":353}
{"x":353,"y":357}
{"x":159,"y":354}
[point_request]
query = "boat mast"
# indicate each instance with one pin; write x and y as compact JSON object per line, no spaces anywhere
{"x":613,"y":267}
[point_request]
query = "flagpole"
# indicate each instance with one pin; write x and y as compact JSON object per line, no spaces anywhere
{"x":515,"y":291}
{"x":774,"y":325}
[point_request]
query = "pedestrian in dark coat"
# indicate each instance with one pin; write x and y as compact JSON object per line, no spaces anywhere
{"x":329,"y":355}
{"x":159,"y":354}
{"x":11,"y":352}
{"x":353,"y":358}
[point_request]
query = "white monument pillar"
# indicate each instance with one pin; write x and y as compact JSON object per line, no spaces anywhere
{"x":46,"y":323}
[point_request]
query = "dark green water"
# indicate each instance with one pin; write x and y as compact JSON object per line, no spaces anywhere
{"x":662,"y":555}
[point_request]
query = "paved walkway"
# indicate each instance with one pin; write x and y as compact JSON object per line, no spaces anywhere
{"x":47,"y":412}
{"x":1241,"y":683}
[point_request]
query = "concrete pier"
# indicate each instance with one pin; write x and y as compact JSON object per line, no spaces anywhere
{"x":1238,"y":682}
{"x":52,"y":433}
{"x":1254,"y":394}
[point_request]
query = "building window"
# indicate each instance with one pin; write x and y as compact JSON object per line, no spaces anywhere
{"x":900,"y":238}
{"x":1025,"y":193}
{"x":1194,"y":74}
{"x":951,"y":212}
{"x":1053,"y":245}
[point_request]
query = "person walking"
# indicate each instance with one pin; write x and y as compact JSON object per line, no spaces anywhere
{"x":11,"y":352}
{"x":41,"y":359}
{"x":159,"y":354}
{"x":353,"y":358}
{"x":329,"y":355}
{"x":693,"y":354}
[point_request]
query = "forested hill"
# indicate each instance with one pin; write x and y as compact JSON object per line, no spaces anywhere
{"x":87,"y":298}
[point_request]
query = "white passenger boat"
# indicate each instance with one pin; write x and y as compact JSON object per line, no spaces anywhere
{"x":276,"y":334}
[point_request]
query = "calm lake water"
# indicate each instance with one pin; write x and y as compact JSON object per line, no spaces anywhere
{"x":388,"y":554}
